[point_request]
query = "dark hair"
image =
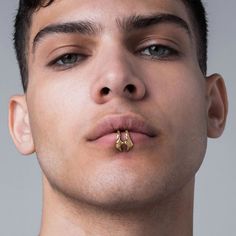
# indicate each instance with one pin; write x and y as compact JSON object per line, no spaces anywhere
{"x":28,"y":7}
{"x":198,"y":18}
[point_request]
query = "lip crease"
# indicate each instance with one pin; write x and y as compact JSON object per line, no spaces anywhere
{"x":111,"y":123}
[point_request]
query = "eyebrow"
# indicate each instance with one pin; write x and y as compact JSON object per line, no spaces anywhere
{"x":81,"y":27}
{"x":143,"y":21}
{"x":127,"y":24}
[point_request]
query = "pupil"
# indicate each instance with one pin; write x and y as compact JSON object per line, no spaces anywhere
{"x":69,"y":59}
{"x":158,"y":51}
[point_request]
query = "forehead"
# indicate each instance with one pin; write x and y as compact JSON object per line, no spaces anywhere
{"x":104,"y":12}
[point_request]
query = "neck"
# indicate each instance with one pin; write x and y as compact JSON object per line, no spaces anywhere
{"x":173,"y":216}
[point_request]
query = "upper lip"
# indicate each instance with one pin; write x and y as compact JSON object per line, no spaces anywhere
{"x":112,"y":123}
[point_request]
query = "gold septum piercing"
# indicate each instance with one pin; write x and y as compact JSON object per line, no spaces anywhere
{"x":126,"y":145}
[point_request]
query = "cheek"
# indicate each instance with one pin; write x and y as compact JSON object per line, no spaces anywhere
{"x":179,"y":97}
{"x":56,"y":110}
{"x":179,"y":94}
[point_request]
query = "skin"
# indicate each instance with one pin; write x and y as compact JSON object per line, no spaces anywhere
{"x":90,"y":188}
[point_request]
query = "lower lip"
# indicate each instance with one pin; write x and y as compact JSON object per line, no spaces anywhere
{"x":110,"y":139}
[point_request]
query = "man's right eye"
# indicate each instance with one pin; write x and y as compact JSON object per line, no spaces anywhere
{"x":67,"y":60}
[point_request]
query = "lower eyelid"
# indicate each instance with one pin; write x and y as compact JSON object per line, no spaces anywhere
{"x":172,"y":51}
{"x":54,"y":61}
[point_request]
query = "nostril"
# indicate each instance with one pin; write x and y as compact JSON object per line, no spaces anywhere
{"x":105,"y":91}
{"x":131,"y":88}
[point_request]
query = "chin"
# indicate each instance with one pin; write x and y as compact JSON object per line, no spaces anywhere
{"x":121,"y":192}
{"x":122,"y":185}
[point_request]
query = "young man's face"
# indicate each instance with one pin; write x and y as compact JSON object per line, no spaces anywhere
{"x":116,"y":72}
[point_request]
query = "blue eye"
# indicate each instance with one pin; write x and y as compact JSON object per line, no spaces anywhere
{"x":158,"y":51}
{"x":68,"y":59}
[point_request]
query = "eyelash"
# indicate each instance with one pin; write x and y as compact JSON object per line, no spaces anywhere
{"x":58,"y":62}
{"x":167,"y":53}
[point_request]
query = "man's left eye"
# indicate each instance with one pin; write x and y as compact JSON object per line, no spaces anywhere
{"x":158,"y":51}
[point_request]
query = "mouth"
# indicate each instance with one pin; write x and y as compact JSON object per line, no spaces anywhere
{"x":105,"y":131}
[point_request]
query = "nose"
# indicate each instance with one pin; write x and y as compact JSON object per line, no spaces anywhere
{"x":117,"y":77}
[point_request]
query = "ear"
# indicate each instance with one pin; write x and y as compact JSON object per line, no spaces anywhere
{"x":19,"y":125}
{"x":217,"y":108}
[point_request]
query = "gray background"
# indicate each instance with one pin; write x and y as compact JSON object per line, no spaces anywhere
{"x":215,"y":206}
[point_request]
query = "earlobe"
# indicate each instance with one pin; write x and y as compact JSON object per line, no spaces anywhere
{"x":19,"y":125}
{"x":217,"y":106}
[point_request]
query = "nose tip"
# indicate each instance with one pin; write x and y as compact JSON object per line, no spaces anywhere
{"x":120,"y":82}
{"x":117,"y":77}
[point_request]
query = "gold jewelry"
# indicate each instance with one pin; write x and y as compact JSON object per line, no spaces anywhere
{"x":125,"y":145}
